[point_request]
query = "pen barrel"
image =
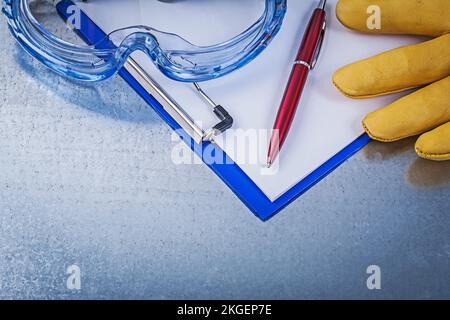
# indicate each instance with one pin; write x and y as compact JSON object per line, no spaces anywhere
{"x":312,"y":37}
{"x":297,"y":80}
{"x":291,"y":99}
{"x":298,"y":77}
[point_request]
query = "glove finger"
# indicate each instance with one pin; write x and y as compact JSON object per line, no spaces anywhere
{"x":426,"y":17}
{"x":396,"y":70}
{"x":435,"y":145}
{"x":414,"y":114}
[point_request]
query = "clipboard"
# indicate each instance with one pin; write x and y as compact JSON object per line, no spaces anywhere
{"x":230,"y":173}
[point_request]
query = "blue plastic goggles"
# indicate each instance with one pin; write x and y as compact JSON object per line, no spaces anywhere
{"x":171,"y":52}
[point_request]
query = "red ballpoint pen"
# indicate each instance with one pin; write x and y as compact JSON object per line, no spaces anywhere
{"x":304,"y":62}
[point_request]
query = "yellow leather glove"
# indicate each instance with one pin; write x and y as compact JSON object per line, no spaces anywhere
{"x":425,"y":66}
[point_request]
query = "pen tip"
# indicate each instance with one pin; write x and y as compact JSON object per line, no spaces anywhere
{"x":268,"y":164}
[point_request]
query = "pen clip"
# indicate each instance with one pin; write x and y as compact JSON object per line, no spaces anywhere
{"x":319,"y":48}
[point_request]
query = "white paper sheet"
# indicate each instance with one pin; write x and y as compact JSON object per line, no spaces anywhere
{"x":326,"y":121}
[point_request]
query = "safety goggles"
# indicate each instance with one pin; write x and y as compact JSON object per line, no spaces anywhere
{"x":148,"y":27}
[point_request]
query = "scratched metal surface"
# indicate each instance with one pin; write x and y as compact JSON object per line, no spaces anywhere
{"x":86,"y":178}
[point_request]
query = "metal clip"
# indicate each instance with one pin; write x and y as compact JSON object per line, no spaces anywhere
{"x":226,"y":121}
{"x":319,"y":48}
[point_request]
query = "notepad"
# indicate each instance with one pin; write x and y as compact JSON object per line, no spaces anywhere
{"x":326,"y":122}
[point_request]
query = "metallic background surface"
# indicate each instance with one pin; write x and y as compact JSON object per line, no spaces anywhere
{"x":86,"y":178}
